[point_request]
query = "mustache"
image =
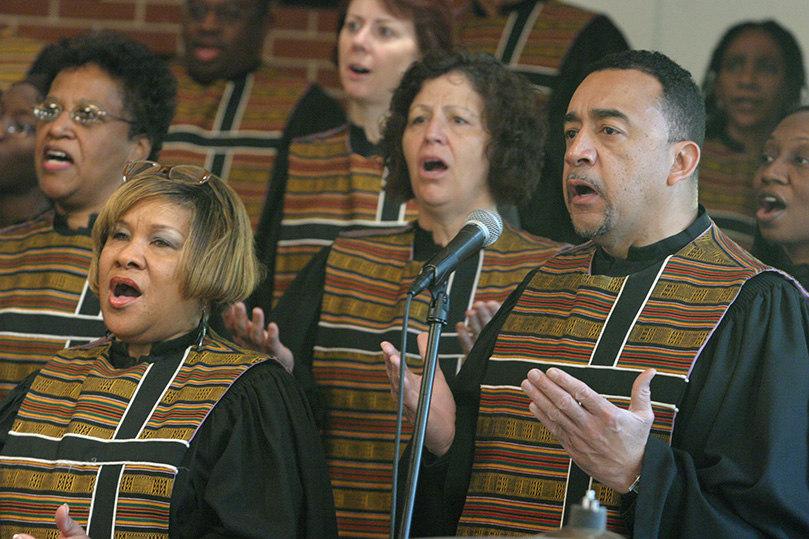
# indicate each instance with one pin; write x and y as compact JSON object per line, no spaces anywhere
{"x":590,"y":182}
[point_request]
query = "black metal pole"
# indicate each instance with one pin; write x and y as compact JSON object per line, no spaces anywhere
{"x":436,"y":319}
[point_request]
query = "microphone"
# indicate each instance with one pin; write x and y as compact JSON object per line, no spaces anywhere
{"x":481,"y":229}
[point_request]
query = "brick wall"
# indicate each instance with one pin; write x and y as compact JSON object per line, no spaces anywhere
{"x":302,"y":38}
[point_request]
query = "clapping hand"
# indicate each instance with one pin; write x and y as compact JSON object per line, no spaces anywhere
{"x":605,"y":441}
{"x":441,"y":419}
{"x":252,"y":334}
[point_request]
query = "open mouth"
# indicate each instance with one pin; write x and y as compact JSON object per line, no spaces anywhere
{"x":58,"y":156}
{"x":359,"y":69}
{"x":769,"y":205}
{"x":123,"y":290}
{"x":432,"y":165}
{"x":580,"y":190}
{"x":583,"y":190}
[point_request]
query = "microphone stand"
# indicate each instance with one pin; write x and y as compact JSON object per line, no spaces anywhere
{"x":436,"y":319}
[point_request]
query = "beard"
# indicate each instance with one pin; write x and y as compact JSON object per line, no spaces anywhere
{"x":608,"y":218}
{"x":606,"y":225}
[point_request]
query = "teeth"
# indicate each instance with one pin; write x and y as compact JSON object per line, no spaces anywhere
{"x":59,"y":155}
{"x":771,"y":203}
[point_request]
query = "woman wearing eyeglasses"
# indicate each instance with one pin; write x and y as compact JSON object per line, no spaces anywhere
{"x":163,"y":428}
{"x":109,"y":101}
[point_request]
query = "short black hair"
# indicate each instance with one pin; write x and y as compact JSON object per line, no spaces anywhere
{"x":511,"y":115}
{"x":793,"y":66}
{"x":150,"y":89}
{"x":681,"y":101}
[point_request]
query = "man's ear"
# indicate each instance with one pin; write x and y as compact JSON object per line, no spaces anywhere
{"x":686,"y":159}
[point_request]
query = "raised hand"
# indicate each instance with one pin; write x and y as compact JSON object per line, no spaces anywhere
{"x":252,"y":334}
{"x":476,"y":317}
{"x":441,"y":419}
{"x":606,"y":441}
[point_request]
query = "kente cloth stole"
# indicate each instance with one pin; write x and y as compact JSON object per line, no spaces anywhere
{"x":329,"y":189}
{"x":726,"y":190}
{"x":532,"y":40}
{"x":108,"y":442}
{"x":604,"y":331}
{"x":358,"y":312}
{"x":45,"y":302}
{"x":233,"y":128}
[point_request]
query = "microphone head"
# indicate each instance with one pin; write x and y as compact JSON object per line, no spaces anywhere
{"x":489,"y":221}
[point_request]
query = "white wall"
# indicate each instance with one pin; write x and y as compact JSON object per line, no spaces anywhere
{"x":688,"y":30}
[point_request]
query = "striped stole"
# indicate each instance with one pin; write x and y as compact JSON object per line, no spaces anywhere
{"x":366,"y":283}
{"x":329,"y":188}
{"x":109,"y":442}
{"x":233,"y":128}
{"x":532,"y":40}
{"x":726,"y":190}
{"x":45,"y":302}
{"x":604,"y":331}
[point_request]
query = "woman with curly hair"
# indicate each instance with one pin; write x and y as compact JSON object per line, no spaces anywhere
{"x":463,"y":133}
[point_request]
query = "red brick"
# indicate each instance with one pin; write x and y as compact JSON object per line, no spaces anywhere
{"x":49,"y":33}
{"x":329,"y":78}
{"x":164,"y":13}
{"x":25,"y":7}
{"x":302,"y":48}
{"x":327,"y":20}
{"x":297,"y":71}
{"x":288,"y":18}
{"x":96,"y":9}
{"x":163,"y":44}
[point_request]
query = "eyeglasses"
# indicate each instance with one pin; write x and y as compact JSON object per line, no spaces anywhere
{"x":16,"y":127}
{"x":186,"y":173}
{"x":85,"y":113}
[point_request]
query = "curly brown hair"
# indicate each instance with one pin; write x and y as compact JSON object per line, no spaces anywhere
{"x":511,"y":115}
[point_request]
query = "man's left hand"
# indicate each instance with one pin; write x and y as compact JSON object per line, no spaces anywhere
{"x":605,"y":441}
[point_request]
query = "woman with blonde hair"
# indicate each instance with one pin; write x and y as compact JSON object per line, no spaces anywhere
{"x":163,"y":427}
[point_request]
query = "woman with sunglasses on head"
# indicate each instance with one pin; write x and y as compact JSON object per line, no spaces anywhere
{"x":163,"y":428}
{"x":109,"y":101}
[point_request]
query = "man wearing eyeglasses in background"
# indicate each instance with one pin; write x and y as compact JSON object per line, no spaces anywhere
{"x":20,"y":197}
{"x":109,"y":101}
{"x":232,"y":108}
